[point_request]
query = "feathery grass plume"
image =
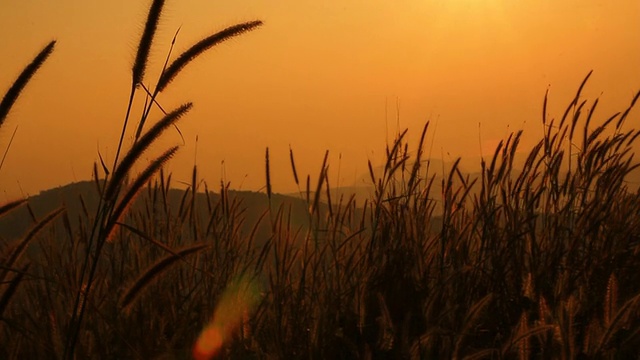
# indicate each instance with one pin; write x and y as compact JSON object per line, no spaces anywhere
{"x":293,"y":166}
{"x":266,"y":156}
{"x":14,"y":91}
{"x":328,"y":189}
{"x":145,"y":141}
{"x":139,"y":65}
{"x":372,"y":175}
{"x":574,"y":102}
{"x":22,"y":245}
{"x":323,"y":172}
{"x":629,"y":108}
{"x":203,"y":45}
{"x":10,"y":206}
{"x":152,"y":272}
{"x":142,"y":56}
{"x":11,"y":290}
{"x":135,"y":188}
{"x":416,"y":164}
{"x":611,"y":300}
{"x":108,"y":199}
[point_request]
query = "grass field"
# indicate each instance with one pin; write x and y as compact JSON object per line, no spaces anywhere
{"x":534,"y":262}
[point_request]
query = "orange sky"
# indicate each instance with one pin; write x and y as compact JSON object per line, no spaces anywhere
{"x":316,"y":76}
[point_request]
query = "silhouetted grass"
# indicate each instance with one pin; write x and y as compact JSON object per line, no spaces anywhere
{"x":537,"y":261}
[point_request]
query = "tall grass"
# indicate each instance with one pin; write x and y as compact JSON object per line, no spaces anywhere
{"x":13,"y":254}
{"x":531,"y":261}
{"x":113,"y":206}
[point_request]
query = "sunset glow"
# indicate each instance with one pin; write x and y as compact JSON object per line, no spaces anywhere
{"x":341,"y":77}
{"x":323,"y":180}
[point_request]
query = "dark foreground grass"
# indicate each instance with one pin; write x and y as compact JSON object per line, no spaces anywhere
{"x":534,"y":262}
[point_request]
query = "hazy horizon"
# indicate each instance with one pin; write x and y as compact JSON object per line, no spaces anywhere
{"x":316,"y":77}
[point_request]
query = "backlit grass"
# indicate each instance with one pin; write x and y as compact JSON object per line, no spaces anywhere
{"x":539,"y":261}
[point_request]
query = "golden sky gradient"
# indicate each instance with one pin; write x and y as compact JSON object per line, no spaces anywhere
{"x":317,"y":75}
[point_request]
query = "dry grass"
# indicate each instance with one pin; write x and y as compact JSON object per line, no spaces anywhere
{"x":19,"y":84}
{"x":537,"y":261}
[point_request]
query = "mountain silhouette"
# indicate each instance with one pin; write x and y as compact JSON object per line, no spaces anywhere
{"x":81,"y":200}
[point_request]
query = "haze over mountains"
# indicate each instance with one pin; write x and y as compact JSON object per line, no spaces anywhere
{"x":316,"y":76}
{"x":81,"y":199}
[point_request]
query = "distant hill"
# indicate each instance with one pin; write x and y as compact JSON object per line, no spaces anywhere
{"x":81,"y":200}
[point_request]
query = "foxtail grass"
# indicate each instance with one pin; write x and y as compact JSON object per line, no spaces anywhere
{"x":144,"y":47}
{"x":6,"y":208}
{"x":113,"y":204}
{"x":19,"y":84}
{"x":153,"y":272}
{"x":532,"y":259}
{"x":170,"y":72}
{"x":200,"y":47}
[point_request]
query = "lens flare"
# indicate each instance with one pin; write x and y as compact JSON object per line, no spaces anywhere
{"x":239,"y":299}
